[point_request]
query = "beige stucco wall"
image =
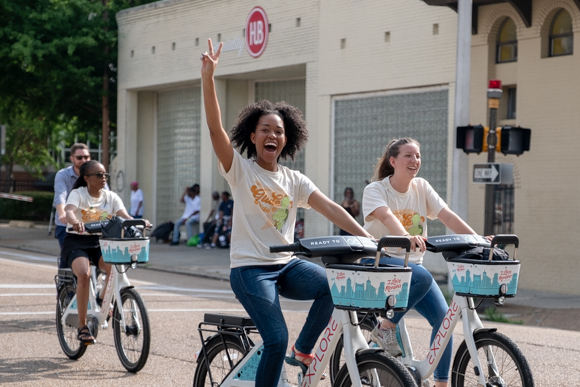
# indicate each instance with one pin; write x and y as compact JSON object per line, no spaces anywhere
{"x":548,"y":96}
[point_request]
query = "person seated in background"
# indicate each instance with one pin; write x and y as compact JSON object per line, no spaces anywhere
{"x":209,"y":224}
{"x":223,"y":224}
{"x":190,"y":215}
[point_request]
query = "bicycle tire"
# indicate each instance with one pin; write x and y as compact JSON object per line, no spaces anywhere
{"x":220,"y":371}
{"x":67,"y":334}
{"x":512,"y":365}
{"x":337,"y":358}
{"x":133,"y":344}
{"x":390,"y":371}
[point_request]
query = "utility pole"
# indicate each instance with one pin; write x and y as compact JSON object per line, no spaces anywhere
{"x":105,"y":118}
{"x":493,"y":96}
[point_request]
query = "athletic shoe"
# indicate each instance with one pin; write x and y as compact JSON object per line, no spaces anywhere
{"x":387,"y":340}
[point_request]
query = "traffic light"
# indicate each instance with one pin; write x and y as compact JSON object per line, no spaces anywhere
{"x":470,"y":138}
{"x":515,"y":140}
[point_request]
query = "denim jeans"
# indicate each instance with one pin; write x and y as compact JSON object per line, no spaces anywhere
{"x":258,"y":289}
{"x":189,"y":224}
{"x":427,"y":299}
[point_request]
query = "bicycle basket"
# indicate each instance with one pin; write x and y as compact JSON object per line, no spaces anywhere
{"x":125,"y":251}
{"x":366,"y":288}
{"x":474,"y":277}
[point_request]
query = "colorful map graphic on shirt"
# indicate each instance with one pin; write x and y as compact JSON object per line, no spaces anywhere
{"x":411,"y":220}
{"x":275,"y":205}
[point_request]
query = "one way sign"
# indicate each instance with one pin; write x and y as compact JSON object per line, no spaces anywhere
{"x":486,"y":173}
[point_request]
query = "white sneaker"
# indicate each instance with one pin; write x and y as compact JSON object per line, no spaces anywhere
{"x":387,"y":340}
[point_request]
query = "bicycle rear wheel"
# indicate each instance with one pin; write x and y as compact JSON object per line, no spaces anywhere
{"x":67,"y":334}
{"x":132,"y":342}
{"x":390,"y":372}
{"x":337,"y":358}
{"x":218,"y":359}
{"x":493,"y":348}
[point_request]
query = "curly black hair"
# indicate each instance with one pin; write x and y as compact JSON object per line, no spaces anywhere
{"x":294,"y":127}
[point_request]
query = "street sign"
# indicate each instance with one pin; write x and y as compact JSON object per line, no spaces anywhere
{"x":488,"y":173}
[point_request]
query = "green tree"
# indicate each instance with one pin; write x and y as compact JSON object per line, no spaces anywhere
{"x":54,"y":58}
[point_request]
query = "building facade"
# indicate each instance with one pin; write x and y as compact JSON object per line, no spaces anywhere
{"x":363,"y":73}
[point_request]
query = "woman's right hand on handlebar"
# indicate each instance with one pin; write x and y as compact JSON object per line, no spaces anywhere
{"x":417,"y":242}
{"x":78,"y":227}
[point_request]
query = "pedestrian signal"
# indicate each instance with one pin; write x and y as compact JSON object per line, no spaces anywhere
{"x":515,"y":140}
{"x":470,"y":138}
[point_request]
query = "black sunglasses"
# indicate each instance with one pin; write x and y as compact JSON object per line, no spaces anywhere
{"x":99,"y":175}
{"x":82,"y":157}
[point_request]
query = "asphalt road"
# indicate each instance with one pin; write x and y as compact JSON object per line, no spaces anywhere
{"x":30,"y":353}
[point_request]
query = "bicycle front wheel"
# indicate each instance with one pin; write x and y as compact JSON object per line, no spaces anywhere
{"x":502,"y":361}
{"x":377,"y":369}
{"x":67,"y":334}
{"x":337,"y":358}
{"x":221,"y":359}
{"x":132,"y":341}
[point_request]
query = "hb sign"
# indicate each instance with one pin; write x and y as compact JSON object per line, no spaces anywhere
{"x":257,"y":30}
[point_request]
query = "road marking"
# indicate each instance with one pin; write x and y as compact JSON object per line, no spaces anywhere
{"x":26,"y":286}
{"x":30,"y":257}
{"x":27,"y":294}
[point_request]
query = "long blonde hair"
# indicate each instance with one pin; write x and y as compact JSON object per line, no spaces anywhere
{"x":384,"y":167}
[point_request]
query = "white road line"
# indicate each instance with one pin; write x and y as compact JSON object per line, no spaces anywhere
{"x":27,"y":294}
{"x":51,"y":267}
{"x":30,"y":257}
{"x":205,"y":310}
{"x":27,"y":286}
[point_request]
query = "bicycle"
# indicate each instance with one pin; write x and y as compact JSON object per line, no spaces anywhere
{"x":131,"y":329}
{"x":495,"y":359}
{"x":229,"y":356}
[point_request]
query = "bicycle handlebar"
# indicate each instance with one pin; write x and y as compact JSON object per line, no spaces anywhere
{"x":292,"y":247}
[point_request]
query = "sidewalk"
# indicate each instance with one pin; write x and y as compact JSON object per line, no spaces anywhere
{"x":533,"y":308}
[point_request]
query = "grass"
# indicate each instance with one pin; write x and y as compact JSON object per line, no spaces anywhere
{"x":492,"y":314}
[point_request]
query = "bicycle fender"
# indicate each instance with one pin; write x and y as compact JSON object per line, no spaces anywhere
{"x":369,"y":350}
{"x":484,"y":330}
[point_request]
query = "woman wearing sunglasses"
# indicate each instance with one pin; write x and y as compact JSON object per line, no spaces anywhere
{"x":88,"y":202}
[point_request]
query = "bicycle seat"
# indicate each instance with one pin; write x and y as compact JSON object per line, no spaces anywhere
{"x":332,"y":249}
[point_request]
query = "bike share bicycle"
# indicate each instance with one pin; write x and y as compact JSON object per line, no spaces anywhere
{"x":486,"y":357}
{"x":123,"y":245}
{"x":229,"y":357}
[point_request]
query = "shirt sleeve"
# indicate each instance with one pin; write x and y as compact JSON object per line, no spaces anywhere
{"x":139,"y":196}
{"x":117,"y":202}
{"x":59,"y":189}
{"x":307,"y":187}
{"x":434,"y":202}
{"x":374,"y":196}
{"x":233,"y":173}
{"x":74,"y":198}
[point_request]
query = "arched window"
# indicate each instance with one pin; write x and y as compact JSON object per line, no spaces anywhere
{"x":561,"y":36}
{"x":507,"y":42}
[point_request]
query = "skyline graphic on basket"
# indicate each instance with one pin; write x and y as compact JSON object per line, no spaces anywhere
{"x":120,"y":251}
{"x":369,"y":294}
{"x":484,"y":280}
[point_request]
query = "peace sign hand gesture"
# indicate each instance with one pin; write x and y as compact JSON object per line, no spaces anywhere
{"x":209,"y":59}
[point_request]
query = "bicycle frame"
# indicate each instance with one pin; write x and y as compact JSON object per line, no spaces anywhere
{"x":460,"y":306}
{"x":114,"y":285}
{"x":342,"y":322}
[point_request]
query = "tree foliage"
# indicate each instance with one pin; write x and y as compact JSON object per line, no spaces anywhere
{"x":54,"y":55}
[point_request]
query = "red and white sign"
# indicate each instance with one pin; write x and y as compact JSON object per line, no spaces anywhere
{"x":16,"y":197}
{"x":256,"y":32}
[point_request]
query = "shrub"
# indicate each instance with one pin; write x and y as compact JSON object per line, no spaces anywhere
{"x":38,"y":209}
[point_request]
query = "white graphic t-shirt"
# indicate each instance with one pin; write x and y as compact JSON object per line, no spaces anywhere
{"x":412,"y":208}
{"x":265,"y":210}
{"x":90,"y":209}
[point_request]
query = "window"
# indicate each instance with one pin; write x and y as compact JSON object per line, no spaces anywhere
{"x":511,"y":103}
{"x":507,"y":42}
{"x":561,"y":36}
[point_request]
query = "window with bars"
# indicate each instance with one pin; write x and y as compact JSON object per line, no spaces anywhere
{"x":363,"y":126}
{"x":178,"y":148}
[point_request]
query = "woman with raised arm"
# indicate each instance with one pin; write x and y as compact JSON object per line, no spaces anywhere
{"x":398,"y":202}
{"x":267,"y":196}
{"x":88,"y":202}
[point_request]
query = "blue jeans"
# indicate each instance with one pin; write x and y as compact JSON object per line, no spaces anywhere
{"x":257,"y":289}
{"x":189,"y":223}
{"x":426,"y":297}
